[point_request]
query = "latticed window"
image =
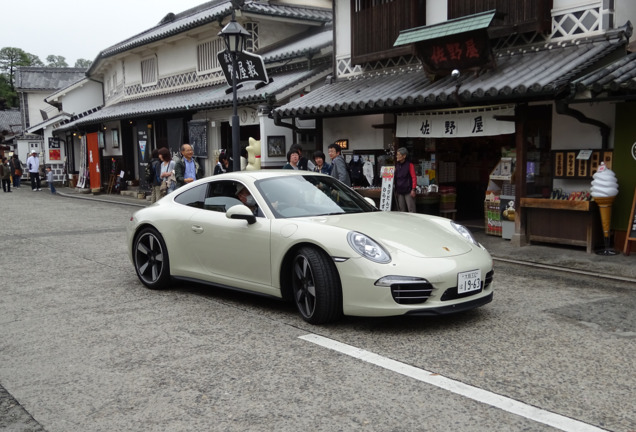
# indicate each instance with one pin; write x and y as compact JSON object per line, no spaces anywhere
{"x":149,"y":72}
{"x":206,"y":55}
{"x":251,"y":43}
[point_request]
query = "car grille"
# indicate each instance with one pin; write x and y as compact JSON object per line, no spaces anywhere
{"x":411,"y":293}
{"x":451,"y":293}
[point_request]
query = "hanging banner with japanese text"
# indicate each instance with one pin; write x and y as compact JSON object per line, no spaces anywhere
{"x":54,"y":149}
{"x":456,"y":123}
{"x":386,"y":196}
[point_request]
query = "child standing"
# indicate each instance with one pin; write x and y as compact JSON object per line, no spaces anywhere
{"x":49,"y":179}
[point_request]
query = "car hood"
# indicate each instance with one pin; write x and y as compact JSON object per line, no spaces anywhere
{"x":418,"y":235}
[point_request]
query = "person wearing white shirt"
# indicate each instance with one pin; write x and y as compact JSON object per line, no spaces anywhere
{"x":33,"y":164}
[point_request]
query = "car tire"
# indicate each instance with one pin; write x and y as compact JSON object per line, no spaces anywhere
{"x":316,"y":286}
{"x":151,"y":259}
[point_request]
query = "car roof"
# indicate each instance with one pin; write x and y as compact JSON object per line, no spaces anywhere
{"x":265,"y":174}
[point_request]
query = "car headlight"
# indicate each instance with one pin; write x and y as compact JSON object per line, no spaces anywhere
{"x":465,"y":232}
{"x":368,"y":248}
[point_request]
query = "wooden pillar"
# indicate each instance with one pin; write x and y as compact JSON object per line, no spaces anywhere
{"x":521,"y":116}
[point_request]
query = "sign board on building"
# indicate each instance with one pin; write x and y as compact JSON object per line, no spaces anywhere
{"x":455,"y":123}
{"x":249,"y":67}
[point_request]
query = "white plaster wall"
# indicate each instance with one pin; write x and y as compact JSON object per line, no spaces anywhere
{"x":564,"y":4}
{"x":132,"y":65}
{"x":268,"y":128}
{"x":343,"y":28}
{"x":270,"y":32}
{"x":625,"y":10}
{"x":177,"y":57}
{"x":358,"y":130}
{"x":83,"y":98}
{"x":436,"y":12}
{"x":36,"y":103}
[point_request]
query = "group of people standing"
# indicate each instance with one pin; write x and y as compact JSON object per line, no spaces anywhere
{"x":337,"y":168}
{"x":186,"y":170}
{"x":11,"y":171}
{"x":168,"y":174}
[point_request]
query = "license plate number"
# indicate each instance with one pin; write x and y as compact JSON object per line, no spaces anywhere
{"x":468,"y":281}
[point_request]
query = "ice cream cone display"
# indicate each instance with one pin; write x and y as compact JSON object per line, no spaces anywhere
{"x":604,"y":190}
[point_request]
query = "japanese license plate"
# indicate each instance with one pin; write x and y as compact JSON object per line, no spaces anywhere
{"x":468,"y":281}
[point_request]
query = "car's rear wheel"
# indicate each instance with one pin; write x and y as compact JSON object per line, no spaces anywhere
{"x":151,"y":259}
{"x":316,"y":286}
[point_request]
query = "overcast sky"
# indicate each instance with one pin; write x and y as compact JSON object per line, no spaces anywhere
{"x":80,"y":29}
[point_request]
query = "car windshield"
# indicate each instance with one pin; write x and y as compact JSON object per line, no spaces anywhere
{"x":310,"y":195}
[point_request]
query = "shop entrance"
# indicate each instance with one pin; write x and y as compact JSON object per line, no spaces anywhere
{"x":462,"y":165}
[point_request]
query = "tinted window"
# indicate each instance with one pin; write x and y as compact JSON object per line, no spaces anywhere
{"x":194,"y":197}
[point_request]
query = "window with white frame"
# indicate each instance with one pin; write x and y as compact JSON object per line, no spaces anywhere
{"x":206,"y":55}
{"x":149,"y":74}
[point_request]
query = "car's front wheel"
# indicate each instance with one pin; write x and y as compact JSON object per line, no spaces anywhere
{"x":316,"y":286}
{"x":151,"y":259}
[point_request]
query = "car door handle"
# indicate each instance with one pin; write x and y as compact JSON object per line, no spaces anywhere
{"x":197,"y":229}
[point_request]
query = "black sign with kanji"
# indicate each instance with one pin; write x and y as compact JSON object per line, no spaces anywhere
{"x":249,"y":67}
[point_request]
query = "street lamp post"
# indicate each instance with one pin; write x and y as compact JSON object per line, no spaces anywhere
{"x":234,"y":36}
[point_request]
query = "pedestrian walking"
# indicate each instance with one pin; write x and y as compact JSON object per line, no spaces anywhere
{"x":33,"y":164}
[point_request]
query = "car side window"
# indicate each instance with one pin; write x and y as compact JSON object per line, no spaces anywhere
{"x":224,"y":194}
{"x":194,"y":197}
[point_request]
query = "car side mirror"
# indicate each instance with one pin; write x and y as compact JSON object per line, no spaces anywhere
{"x":241,"y":211}
{"x":370,"y":201}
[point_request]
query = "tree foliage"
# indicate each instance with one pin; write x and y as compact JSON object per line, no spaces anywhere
{"x":56,"y":61}
{"x":83,"y":63}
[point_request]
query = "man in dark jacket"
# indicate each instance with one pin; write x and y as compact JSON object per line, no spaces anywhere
{"x":338,"y":164}
{"x":186,"y":169}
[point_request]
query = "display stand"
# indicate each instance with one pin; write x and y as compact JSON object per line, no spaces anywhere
{"x":500,"y":185}
{"x":568,"y":222}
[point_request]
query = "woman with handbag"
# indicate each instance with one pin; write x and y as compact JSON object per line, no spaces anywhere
{"x":168,"y":183}
{"x":16,"y":170}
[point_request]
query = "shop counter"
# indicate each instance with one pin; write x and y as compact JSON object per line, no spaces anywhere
{"x":574,"y":223}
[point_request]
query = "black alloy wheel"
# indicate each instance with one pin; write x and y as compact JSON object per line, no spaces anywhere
{"x":151,"y":259}
{"x":316,"y":286}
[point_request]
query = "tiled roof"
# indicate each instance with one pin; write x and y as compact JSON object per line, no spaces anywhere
{"x":446,"y":28}
{"x":301,"y":46}
{"x":524,"y":74}
{"x":618,"y":77}
{"x":10,"y":121}
{"x":46,"y":78}
{"x":211,"y":12}
{"x":200,"y":99}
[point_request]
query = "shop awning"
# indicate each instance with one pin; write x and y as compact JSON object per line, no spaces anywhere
{"x":523,"y":74}
{"x":201,"y":99}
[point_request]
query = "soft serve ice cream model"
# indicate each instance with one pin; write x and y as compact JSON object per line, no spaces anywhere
{"x":604,"y":190}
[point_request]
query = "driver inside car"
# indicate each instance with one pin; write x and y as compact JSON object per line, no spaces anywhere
{"x":246,"y":198}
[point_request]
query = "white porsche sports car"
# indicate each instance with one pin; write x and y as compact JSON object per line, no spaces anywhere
{"x":308,"y":238}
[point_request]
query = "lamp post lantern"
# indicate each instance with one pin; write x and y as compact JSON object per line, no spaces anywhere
{"x":234,"y":36}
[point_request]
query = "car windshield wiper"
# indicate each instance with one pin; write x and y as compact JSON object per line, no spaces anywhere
{"x":331,"y":213}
